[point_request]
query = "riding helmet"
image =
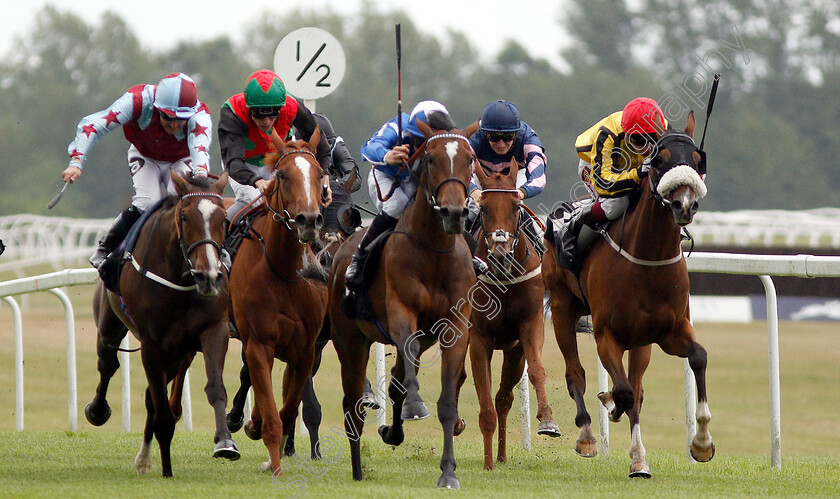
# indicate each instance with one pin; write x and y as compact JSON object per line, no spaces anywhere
{"x":264,"y":89}
{"x":500,"y":116}
{"x":176,"y":96}
{"x":421,"y":112}
{"x":643,"y":115}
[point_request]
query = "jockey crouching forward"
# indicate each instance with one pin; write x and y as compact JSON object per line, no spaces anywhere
{"x":614,"y":158}
{"x":246,"y":122}
{"x":168,"y":128}
{"x":502,"y":136}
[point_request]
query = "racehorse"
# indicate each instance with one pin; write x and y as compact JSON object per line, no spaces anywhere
{"x":637,"y":298}
{"x":419,"y":295}
{"x":278,"y":311}
{"x":174,"y":299}
{"x":515,"y":324}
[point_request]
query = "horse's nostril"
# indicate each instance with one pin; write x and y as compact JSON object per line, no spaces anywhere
{"x":300,"y":219}
{"x":319,"y":221}
{"x":695,"y":207}
{"x":444,"y":212}
{"x":677,"y":205}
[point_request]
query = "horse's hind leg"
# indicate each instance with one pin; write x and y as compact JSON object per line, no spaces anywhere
{"x":236,"y":417}
{"x":639,"y":359}
{"x":312,"y":417}
{"x":353,"y":356}
{"x":480,"y":359}
{"x":214,"y":342}
{"x":684,"y":345}
{"x":143,"y":460}
{"x":512,"y":367}
{"x":531,"y":339}
{"x":295,"y":379}
{"x":452,"y":365}
{"x":393,"y":434}
{"x":620,"y":400}
{"x":260,"y":361}
{"x":176,"y":390}
{"x":110,"y":332}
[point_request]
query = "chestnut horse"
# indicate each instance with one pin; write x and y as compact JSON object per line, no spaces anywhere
{"x":419,"y":295}
{"x":174,"y":298}
{"x":515,"y":324}
{"x":637,"y":298}
{"x":277,"y":310}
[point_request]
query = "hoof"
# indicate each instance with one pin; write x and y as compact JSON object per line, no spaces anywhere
{"x":252,"y":432}
{"x":703,"y":455}
{"x":460,"y":426}
{"x":586,"y":448}
{"x":266,"y":466}
{"x":414,"y":411}
{"x":226,"y":449}
{"x":391,"y":436}
{"x":234,"y":425}
{"x":550,"y":428}
{"x":95,"y":419}
{"x":448,"y":482}
{"x":639,"y":470}
{"x":369,"y":401}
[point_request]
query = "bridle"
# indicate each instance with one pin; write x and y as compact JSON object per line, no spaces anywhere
{"x":431,"y":194}
{"x":499,"y":235}
{"x":281,"y":214}
{"x":179,"y":220}
{"x":682,"y":148}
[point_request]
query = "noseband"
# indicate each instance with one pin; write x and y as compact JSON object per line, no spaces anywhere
{"x":179,"y":223}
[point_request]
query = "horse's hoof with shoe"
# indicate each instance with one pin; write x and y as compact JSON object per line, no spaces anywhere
{"x":390,"y":435}
{"x":586,"y":447}
{"x":414,"y":411}
{"x":234,"y":425}
{"x":549,"y":428}
{"x":639,"y":470}
{"x":253,"y":432}
{"x":226,"y":449}
{"x":460,"y":426}
{"x":702,"y":455}
{"x":448,"y":482}
{"x":97,"y":419}
{"x":369,"y":401}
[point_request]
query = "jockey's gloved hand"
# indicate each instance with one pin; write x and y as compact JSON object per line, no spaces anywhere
{"x":643,"y":170}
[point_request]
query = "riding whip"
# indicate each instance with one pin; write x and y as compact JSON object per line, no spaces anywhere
{"x":57,"y":197}
{"x":399,"y":83}
{"x":709,"y":108}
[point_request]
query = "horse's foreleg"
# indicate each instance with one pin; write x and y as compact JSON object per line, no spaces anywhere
{"x":620,"y":400}
{"x":236,"y":417}
{"x":143,"y":460}
{"x":452,"y":365}
{"x":393,"y":434}
{"x":531,"y":338}
{"x":163,"y":421}
{"x":214,"y":342}
{"x":294,"y":379}
{"x":564,"y":332}
{"x":413,"y":408}
{"x":110,"y":332}
{"x":480,"y":358}
{"x":260,"y":361}
{"x":639,"y":359}
{"x":353,"y":356}
{"x":684,"y":345}
{"x":512,"y":367}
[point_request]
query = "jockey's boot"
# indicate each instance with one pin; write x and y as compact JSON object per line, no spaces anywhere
{"x":479,"y":266}
{"x":569,"y":243}
{"x":353,"y":276}
{"x":122,"y":224}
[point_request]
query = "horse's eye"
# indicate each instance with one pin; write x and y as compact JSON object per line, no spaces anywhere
{"x":281,"y":176}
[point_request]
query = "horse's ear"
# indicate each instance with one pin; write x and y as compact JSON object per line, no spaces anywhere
{"x":279,"y":144}
{"x":480,"y":174}
{"x":471,"y":129}
{"x":315,"y":139}
{"x":690,"y":123}
{"x":181,"y":184}
{"x":220,"y":183}
{"x":426,"y":129}
{"x":514,"y":169}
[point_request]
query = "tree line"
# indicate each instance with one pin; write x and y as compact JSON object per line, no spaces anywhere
{"x":771,"y":141}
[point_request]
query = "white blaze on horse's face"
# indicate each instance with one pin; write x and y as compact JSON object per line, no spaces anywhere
{"x":304,"y":167}
{"x":207,"y":208}
{"x":451,"y":151}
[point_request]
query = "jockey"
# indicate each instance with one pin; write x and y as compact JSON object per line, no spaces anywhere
{"x":501,"y":137}
{"x":245,"y":125}
{"x":342,"y":181}
{"x":614,"y":158}
{"x":387,"y":152}
{"x":168,"y":128}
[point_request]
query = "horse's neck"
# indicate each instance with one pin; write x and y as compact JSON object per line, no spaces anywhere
{"x":421,"y":220}
{"x":167,"y":249}
{"x":282,"y":246}
{"x":649,"y":232}
{"x":525,"y":253}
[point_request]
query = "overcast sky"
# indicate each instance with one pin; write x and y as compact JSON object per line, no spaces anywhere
{"x":488,"y":24}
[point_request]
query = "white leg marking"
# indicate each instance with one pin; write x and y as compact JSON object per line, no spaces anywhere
{"x":143,"y":461}
{"x":207,"y":208}
{"x":304,"y":167}
{"x":703,"y":438}
{"x":451,"y":151}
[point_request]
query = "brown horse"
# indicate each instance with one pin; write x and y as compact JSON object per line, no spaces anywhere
{"x":515,"y":324}
{"x":278,"y":311}
{"x":174,"y":298}
{"x":419,"y":295}
{"x":637,"y":298}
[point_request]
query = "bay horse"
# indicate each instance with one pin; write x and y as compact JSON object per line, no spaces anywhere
{"x":419,"y":295}
{"x":174,"y":299}
{"x":515,"y":325}
{"x":277,"y":309}
{"x":638,"y":297}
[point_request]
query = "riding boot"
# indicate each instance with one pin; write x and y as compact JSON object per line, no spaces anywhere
{"x":568,"y":242}
{"x":353,"y":276}
{"x":116,"y":234}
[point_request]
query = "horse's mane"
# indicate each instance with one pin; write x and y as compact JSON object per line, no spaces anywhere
{"x":440,"y":121}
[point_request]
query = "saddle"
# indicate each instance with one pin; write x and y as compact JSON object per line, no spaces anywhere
{"x":240,"y":228}
{"x":111,"y":268}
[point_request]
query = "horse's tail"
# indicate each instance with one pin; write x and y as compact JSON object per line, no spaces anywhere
{"x":314,"y":270}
